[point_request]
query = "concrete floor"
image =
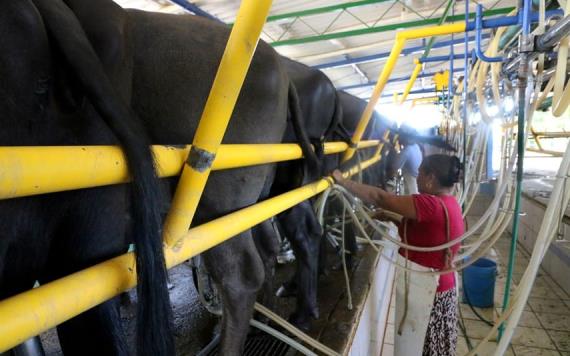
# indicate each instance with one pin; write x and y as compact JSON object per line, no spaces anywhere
{"x":193,"y":324}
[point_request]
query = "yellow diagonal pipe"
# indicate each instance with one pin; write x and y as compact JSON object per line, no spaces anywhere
{"x":385,"y":138}
{"x":382,"y":80}
{"x":400,"y":40}
{"x":39,"y":309}
{"x":30,"y":170}
{"x":411,"y":82}
{"x":216,"y":116}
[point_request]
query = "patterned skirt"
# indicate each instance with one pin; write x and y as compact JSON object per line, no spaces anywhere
{"x":441,"y":335}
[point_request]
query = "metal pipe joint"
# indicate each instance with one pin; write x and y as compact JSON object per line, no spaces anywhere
{"x":553,"y":36}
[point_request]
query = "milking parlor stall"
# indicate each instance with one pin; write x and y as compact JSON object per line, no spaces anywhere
{"x":287,"y":177}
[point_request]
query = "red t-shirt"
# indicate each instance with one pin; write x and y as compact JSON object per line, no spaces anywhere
{"x":428,"y":229}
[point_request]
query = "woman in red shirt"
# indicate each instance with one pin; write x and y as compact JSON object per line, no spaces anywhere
{"x":426,"y":224}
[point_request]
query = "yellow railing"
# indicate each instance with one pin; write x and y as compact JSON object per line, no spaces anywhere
{"x":39,"y":170}
{"x":37,"y":310}
{"x":413,"y":77}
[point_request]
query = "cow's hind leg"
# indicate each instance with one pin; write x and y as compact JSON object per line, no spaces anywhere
{"x":98,"y":331}
{"x":238,"y":270}
{"x":268,"y":247}
{"x":304,"y":232}
{"x":235,"y":265}
{"x":93,"y":231}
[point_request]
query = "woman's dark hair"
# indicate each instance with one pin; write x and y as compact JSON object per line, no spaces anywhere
{"x":447,"y":169}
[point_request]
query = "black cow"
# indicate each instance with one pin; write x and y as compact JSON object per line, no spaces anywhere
{"x":321,"y":113}
{"x":168,"y":64}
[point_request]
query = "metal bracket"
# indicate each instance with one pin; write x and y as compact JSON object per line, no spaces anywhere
{"x":527,"y":45}
{"x":199,"y":159}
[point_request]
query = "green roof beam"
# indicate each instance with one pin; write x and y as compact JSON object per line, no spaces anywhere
{"x":442,"y":19}
{"x":325,"y":9}
{"x":386,"y":28}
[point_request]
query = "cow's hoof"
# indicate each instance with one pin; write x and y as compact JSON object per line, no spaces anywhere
{"x":300,"y":322}
{"x":339,"y":267}
{"x":315,"y":313}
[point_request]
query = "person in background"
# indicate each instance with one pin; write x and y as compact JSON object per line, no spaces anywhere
{"x":408,"y":160}
{"x":430,"y":218}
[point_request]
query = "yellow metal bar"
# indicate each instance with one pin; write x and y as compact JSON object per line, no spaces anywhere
{"x":427,"y":100}
{"x":378,"y":151}
{"x":400,"y":40}
{"x":37,"y":170}
{"x":417,"y":33}
{"x":411,"y":82}
{"x":216,"y":116}
{"x":382,"y":80}
{"x":39,"y":309}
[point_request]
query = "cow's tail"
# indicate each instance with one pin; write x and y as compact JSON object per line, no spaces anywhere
{"x":297,"y":120}
{"x":154,"y":321}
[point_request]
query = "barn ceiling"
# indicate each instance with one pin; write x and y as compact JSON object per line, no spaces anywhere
{"x":348,"y":40}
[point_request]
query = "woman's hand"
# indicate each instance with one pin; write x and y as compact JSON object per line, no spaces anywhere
{"x":337,"y":175}
{"x":379,"y":214}
{"x":386,"y":215}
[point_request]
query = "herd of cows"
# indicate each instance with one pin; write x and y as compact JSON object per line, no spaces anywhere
{"x":80,"y":72}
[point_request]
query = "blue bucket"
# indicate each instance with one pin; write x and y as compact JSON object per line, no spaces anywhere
{"x":479,"y":283}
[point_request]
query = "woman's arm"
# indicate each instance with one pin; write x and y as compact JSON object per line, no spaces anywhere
{"x":401,"y":204}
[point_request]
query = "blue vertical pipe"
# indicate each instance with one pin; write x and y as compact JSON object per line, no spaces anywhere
{"x":443,"y":58}
{"x":526,"y":20}
{"x":451,"y":60}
